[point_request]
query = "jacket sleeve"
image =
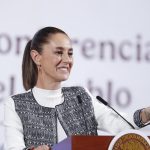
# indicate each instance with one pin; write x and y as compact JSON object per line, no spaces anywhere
{"x":14,"y":139}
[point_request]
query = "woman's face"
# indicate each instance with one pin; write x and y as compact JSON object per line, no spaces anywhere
{"x":56,"y":59}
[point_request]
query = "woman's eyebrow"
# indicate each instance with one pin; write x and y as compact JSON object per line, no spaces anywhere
{"x":62,"y":48}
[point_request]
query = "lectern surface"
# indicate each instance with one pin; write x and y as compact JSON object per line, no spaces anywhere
{"x":84,"y":143}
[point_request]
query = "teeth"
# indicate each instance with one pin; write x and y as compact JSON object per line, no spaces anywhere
{"x":63,"y":68}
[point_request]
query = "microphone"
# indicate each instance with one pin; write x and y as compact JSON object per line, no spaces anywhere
{"x":80,"y":102}
{"x":106,"y":104}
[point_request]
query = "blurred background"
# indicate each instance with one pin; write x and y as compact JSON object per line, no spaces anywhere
{"x":111,"y":42}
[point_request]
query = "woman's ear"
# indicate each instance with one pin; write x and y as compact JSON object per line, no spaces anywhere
{"x":36,"y":57}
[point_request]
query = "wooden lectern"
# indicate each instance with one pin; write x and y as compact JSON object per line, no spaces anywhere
{"x":84,"y":143}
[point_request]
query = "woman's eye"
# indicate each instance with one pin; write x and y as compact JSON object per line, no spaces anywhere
{"x":70,"y":53}
{"x":59,"y":52}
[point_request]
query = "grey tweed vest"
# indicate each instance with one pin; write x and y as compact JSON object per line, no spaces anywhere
{"x":40,"y":123}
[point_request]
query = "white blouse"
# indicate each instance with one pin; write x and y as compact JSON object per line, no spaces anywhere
{"x":108,"y":121}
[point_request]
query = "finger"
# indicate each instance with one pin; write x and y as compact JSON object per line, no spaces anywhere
{"x":45,"y":147}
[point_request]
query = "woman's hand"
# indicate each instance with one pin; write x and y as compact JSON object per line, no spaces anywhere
{"x":42,"y":147}
{"x":145,"y":115}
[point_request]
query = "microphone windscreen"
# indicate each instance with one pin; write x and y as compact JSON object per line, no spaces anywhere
{"x":102,"y":100}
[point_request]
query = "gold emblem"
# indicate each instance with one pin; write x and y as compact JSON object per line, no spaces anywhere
{"x":131,"y":141}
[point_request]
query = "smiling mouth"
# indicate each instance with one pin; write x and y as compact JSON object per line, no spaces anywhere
{"x":63,"y":68}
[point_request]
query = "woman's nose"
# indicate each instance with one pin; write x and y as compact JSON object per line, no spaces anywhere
{"x":66,"y":58}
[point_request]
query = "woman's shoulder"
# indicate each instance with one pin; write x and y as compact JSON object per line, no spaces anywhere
{"x":9,"y":99}
{"x":77,"y":89}
{"x":24,"y":93}
{"x":74,"y":87}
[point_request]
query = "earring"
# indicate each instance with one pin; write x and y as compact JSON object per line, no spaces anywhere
{"x":39,"y":67}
